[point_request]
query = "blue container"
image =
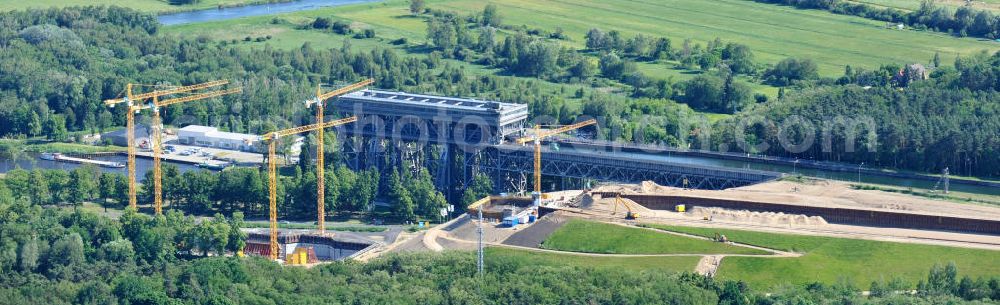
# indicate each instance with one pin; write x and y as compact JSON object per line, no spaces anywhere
{"x":531,"y":218}
{"x":510,"y":221}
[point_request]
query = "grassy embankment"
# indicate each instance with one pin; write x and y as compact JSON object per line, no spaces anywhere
{"x":59,"y":147}
{"x":648,"y":264}
{"x":596,"y":237}
{"x":828,"y":259}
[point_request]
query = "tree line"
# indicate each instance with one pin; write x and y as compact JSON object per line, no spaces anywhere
{"x":951,"y":120}
{"x":532,"y":53}
{"x":961,"y":21}
{"x":60,"y":63}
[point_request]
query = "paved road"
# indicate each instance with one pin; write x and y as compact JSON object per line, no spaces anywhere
{"x":536,"y":233}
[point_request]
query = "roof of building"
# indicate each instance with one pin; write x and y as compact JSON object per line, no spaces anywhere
{"x":212,"y":132}
{"x":432,"y":100}
{"x":199,"y":128}
{"x":232,"y":136}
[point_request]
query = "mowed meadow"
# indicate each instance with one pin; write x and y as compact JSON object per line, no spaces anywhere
{"x":772,"y":31}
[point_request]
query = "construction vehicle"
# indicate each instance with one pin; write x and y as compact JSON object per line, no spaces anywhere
{"x":138,"y":102}
{"x":629,"y":214}
{"x":302,"y":256}
{"x":320,"y":163}
{"x":272,"y":175}
{"x":537,"y":138}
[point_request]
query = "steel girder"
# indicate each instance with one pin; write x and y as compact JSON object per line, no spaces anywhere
{"x":505,"y":160}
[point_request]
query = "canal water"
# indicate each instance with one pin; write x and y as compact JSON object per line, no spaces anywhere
{"x":250,"y":10}
{"x":142,"y":165}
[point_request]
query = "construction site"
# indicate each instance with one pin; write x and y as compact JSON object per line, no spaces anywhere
{"x":812,"y":207}
{"x":588,"y":182}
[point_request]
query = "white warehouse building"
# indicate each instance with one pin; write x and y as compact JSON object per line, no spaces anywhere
{"x":211,"y":137}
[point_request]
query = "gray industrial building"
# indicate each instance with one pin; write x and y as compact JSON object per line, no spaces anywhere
{"x":118,"y":137}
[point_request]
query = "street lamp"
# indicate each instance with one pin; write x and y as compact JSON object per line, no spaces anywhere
{"x":859,"y":171}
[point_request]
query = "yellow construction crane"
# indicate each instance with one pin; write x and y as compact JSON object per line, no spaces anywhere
{"x":135,"y":103}
{"x":320,"y":163}
{"x":157,"y":139}
{"x":537,"y":139}
{"x":272,"y":173}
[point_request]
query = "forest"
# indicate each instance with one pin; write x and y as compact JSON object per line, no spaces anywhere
{"x":59,"y":64}
{"x":53,"y":255}
{"x":950,"y":120}
{"x":244,"y":190}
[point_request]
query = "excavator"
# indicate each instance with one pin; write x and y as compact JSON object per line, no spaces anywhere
{"x":630,"y":214}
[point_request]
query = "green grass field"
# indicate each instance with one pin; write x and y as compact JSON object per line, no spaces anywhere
{"x":286,"y":34}
{"x":834,"y":41}
{"x":650,"y":264}
{"x":153,"y":6}
{"x":828,"y":259}
{"x":596,"y":237}
{"x":772,"y":31}
{"x":59,"y":147}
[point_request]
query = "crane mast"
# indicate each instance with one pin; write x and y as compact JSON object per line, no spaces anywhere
{"x":157,"y":138}
{"x":537,"y":140}
{"x":134,"y":103}
{"x":130,"y":139}
{"x":320,"y":162}
{"x":272,"y":174}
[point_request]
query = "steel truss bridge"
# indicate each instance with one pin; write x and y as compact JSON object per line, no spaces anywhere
{"x":457,"y":139}
{"x":507,"y":163}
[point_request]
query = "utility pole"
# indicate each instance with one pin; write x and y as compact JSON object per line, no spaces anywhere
{"x":479,"y":263}
{"x":946,"y":182}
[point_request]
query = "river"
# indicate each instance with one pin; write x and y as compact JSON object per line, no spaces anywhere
{"x":250,"y":10}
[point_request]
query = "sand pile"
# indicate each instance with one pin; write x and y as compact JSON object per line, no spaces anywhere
{"x":766,"y":218}
{"x":636,"y":207}
{"x":585,"y":201}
